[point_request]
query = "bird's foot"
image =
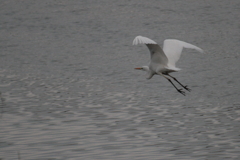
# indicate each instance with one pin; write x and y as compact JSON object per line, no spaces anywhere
{"x":181,"y":91}
{"x":188,"y":89}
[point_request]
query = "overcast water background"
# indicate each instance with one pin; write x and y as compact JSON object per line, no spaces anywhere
{"x":69,"y":89}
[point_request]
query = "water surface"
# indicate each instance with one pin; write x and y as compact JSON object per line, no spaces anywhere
{"x":69,"y":90}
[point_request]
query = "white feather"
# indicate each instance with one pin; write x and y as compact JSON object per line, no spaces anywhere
{"x":156,"y":52}
{"x":173,"y":49}
{"x":143,"y":40}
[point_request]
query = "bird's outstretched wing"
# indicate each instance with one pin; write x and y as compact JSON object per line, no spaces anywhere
{"x":142,"y":40}
{"x":173,"y":49}
{"x":157,"y":54}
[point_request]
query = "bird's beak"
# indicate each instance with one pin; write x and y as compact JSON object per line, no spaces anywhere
{"x":138,"y":68}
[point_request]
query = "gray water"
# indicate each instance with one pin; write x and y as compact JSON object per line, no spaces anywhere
{"x":69,"y":90}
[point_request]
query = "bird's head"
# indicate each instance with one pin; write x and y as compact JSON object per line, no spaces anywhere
{"x":143,"y":68}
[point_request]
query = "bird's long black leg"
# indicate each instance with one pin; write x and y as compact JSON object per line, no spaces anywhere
{"x":185,"y":87}
{"x":179,"y":90}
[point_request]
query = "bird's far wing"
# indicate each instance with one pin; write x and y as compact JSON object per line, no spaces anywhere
{"x":142,"y":40}
{"x":157,"y":54}
{"x":173,"y":49}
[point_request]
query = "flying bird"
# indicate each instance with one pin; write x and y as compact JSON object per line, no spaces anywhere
{"x":163,"y":61}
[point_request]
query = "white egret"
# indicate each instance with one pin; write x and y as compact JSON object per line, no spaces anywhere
{"x":163,"y":60}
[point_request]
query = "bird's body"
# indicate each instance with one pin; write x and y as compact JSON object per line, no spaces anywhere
{"x":163,"y":61}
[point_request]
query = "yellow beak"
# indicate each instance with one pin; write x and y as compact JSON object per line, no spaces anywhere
{"x":138,"y":68}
